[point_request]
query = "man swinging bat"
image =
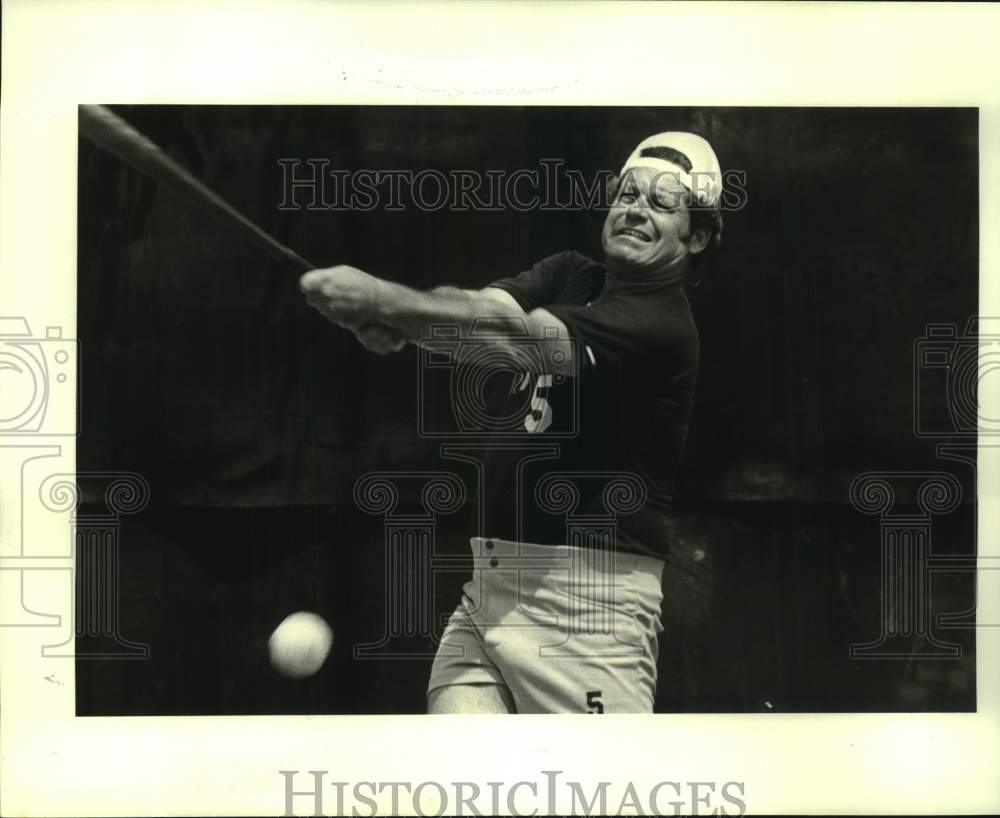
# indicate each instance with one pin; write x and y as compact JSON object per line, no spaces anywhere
{"x":558,"y":617}
{"x":552,"y":623}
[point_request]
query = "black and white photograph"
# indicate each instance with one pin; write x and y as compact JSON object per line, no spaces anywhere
{"x":570,"y":410}
{"x":529,"y":408}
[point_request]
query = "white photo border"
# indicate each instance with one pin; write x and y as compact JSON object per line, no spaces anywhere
{"x":57,"y":55}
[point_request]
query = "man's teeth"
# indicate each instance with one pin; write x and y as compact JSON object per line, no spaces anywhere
{"x":625,"y":231}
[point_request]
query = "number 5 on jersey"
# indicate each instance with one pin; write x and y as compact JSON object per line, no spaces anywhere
{"x":540,"y":417}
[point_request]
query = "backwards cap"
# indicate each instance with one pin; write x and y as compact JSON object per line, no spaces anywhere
{"x":704,"y":176}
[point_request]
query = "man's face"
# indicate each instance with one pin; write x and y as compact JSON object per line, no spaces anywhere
{"x":648,"y":226}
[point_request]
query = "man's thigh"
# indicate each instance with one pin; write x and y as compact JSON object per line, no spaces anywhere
{"x":550,"y":672}
{"x":464,"y":677}
{"x":470,"y":698}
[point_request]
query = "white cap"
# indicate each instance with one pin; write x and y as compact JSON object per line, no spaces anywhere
{"x":703,"y":179}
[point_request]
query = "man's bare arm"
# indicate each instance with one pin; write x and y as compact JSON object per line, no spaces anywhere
{"x":352,"y":297}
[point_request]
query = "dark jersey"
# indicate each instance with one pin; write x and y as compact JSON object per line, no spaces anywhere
{"x":597,"y":453}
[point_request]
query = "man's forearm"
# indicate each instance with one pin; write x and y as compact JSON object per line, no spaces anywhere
{"x":390,"y":313}
{"x":414,"y":313}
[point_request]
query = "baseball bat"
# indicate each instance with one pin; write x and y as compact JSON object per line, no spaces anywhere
{"x":109,"y":131}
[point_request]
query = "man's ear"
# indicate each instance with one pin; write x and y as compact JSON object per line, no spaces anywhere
{"x":700,"y":237}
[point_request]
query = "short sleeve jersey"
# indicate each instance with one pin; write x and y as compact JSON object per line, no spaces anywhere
{"x":600,"y":450}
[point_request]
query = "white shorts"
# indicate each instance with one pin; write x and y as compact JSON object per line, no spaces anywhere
{"x":564,"y":629}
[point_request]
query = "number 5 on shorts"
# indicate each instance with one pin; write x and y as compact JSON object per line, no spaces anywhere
{"x":594,"y":704}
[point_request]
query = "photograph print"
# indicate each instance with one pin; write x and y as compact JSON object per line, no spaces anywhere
{"x":497,"y":409}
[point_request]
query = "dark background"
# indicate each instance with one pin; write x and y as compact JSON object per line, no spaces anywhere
{"x":252,"y":418}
